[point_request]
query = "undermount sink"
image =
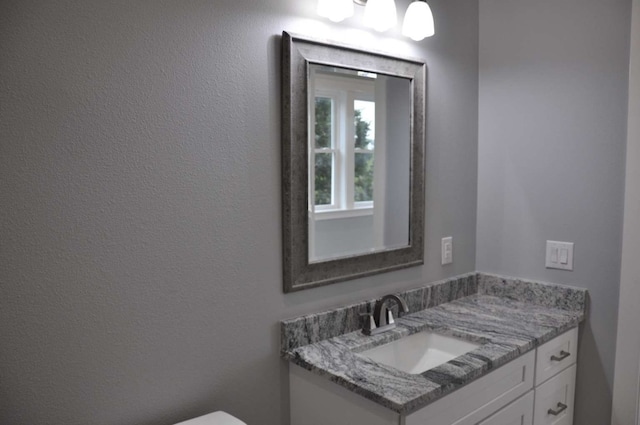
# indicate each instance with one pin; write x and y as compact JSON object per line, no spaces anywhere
{"x":419,"y":352}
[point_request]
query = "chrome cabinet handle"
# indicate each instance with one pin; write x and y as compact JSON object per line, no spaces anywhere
{"x":563,"y":355}
{"x":561,"y":408}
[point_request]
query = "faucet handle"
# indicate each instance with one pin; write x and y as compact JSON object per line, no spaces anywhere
{"x":369,"y":323}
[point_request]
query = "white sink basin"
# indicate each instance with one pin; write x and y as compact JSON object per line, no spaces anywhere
{"x":419,"y":352}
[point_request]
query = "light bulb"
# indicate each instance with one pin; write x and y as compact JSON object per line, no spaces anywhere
{"x":380,"y":14}
{"x":335,"y":10}
{"x":418,"y":21}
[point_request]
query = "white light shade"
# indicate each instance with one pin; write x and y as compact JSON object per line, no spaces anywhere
{"x":335,"y":10}
{"x":418,"y":21}
{"x":380,"y":14}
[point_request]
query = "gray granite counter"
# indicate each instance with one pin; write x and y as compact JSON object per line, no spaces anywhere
{"x":509,"y":317}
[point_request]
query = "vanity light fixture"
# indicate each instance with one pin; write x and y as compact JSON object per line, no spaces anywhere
{"x":418,"y":21}
{"x":381,"y":15}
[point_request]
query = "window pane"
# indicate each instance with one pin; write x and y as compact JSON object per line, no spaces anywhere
{"x":323,"y":122}
{"x":324,"y":166}
{"x":363,"y":177}
{"x":365,"y":122}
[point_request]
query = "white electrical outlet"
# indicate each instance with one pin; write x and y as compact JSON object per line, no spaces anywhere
{"x":447,"y":250}
{"x":559,"y":255}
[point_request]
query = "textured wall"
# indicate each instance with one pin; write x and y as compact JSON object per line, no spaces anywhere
{"x":625,"y":391}
{"x":552,"y":136}
{"x":343,"y":236}
{"x":140,"y":248}
{"x":398,"y":164}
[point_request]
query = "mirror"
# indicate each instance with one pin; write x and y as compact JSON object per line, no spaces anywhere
{"x":359,"y":152}
{"x":353,"y":162}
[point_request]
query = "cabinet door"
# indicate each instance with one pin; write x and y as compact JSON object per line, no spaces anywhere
{"x":520,"y":412}
{"x":314,"y":400}
{"x":554,"y":399}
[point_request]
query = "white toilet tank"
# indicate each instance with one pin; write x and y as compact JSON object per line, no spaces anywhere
{"x":215,"y":418}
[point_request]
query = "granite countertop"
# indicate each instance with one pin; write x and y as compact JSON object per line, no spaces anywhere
{"x":509,"y":317}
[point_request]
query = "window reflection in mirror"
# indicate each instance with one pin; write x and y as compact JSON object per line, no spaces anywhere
{"x":359,"y":162}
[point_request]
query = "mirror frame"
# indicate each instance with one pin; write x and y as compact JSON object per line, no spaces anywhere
{"x":298,"y":52}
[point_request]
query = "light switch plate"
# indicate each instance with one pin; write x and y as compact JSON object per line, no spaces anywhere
{"x":447,"y":250}
{"x":559,"y":255}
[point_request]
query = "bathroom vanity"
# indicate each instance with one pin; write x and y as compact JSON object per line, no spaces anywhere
{"x":521,"y":368}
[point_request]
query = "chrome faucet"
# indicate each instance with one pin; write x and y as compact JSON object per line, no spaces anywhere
{"x":381,"y":319}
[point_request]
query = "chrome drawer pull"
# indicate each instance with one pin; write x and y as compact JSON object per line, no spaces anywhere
{"x":561,"y":408}
{"x":563,"y":355}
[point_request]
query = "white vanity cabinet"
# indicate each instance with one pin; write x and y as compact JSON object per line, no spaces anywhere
{"x":481,"y":398}
{"x":530,"y":390}
{"x":555,"y":380}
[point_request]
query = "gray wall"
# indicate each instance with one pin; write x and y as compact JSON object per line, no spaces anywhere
{"x":627,"y":373}
{"x":553,"y":105}
{"x":140,"y":248}
{"x":398,"y":163}
{"x":339,"y":237}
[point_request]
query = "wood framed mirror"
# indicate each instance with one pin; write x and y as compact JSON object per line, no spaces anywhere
{"x":353,"y":172}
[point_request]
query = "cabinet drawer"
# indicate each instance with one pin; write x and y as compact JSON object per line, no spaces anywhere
{"x":478,"y":399}
{"x":554,"y":399}
{"x":520,"y":412}
{"x":556,"y":355}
